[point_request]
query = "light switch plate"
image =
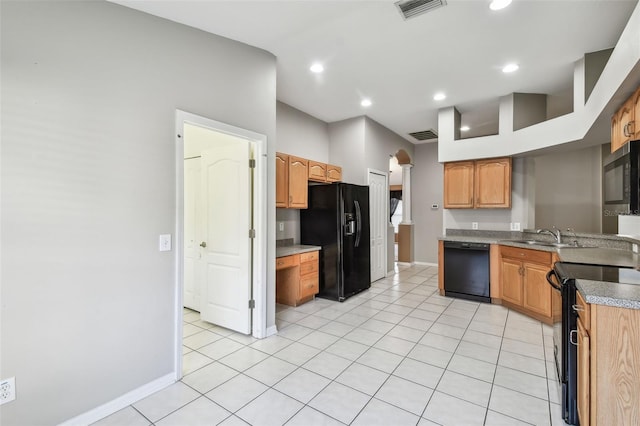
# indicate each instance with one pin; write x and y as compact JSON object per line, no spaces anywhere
{"x":474,"y":225}
{"x":165,"y":242}
{"x":515,"y":226}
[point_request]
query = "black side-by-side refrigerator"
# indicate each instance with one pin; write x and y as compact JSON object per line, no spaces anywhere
{"x":337,"y":219}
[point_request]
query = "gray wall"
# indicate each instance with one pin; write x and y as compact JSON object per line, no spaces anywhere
{"x":305,"y":136}
{"x":90,"y":91}
{"x":568,"y":190}
{"x":346,"y":149}
{"x":301,"y":134}
{"x":427,"y":188}
{"x":380,"y":144}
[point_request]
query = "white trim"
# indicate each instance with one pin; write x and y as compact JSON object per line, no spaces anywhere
{"x":405,"y":263}
{"x":121,"y":402}
{"x":386,"y":184}
{"x":271,"y":331}
{"x":259,"y":318}
{"x":425,"y":263}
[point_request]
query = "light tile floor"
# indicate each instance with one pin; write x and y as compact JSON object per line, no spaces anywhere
{"x":396,"y":354}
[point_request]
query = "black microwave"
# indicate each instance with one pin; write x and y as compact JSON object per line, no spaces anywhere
{"x":620,"y":180}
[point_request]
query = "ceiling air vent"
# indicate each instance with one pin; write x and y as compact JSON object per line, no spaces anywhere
{"x":425,"y":135}
{"x":413,"y":8}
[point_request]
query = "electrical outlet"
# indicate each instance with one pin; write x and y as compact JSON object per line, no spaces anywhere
{"x":281,"y":226}
{"x":515,"y":226}
{"x":474,"y":225}
{"x":7,"y":390}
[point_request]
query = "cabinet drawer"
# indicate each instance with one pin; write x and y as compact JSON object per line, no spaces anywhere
{"x":287,"y":261}
{"x":308,"y":286}
{"x":307,"y":268}
{"x":309,"y":256}
{"x":526,"y":254}
{"x":584,"y":310}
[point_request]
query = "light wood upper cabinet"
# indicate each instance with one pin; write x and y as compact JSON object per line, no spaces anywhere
{"x":317,"y":171}
{"x":458,"y":185}
{"x":623,"y":122}
{"x":492,"y":183}
{"x":334,"y":173}
{"x":298,"y":175}
{"x":282,"y":180}
{"x":616,"y":139}
{"x":478,"y":184}
{"x":291,"y":181}
{"x":293,"y":175}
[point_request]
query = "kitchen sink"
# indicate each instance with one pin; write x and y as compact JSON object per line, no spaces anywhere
{"x":545,"y":243}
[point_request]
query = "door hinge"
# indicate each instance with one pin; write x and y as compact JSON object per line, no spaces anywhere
{"x":252,"y":304}
{"x":252,"y":163}
{"x":252,"y":233}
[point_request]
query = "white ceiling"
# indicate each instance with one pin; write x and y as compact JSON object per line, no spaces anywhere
{"x":368,"y":50}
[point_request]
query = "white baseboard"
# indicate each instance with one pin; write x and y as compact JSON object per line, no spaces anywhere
{"x":425,"y":263}
{"x":121,"y":402}
{"x":271,"y":331}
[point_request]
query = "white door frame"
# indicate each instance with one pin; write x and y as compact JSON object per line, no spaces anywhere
{"x":259,"y":284}
{"x":386,"y":184}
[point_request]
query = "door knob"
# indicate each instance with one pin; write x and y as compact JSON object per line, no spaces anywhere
{"x":203,"y":244}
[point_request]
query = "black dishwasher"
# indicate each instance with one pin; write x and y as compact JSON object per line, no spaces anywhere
{"x":466,"y":270}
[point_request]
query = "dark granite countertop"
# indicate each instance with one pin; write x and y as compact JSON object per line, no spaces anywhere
{"x":602,"y":250}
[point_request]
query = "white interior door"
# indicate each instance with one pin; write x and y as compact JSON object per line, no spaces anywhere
{"x":192,"y":223}
{"x":378,"y":200}
{"x":225,"y":242}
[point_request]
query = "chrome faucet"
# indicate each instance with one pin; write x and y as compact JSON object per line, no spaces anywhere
{"x":557,"y":235}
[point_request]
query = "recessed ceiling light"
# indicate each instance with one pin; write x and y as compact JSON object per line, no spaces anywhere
{"x":317,"y":68}
{"x":366,"y":102}
{"x":464,"y":128}
{"x":510,"y":68}
{"x":499,"y":4}
{"x":439,"y":96}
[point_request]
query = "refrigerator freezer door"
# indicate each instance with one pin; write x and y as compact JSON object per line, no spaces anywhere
{"x":321,"y":224}
{"x":356,"y":269}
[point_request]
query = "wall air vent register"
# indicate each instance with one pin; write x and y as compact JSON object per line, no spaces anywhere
{"x":412,"y":8}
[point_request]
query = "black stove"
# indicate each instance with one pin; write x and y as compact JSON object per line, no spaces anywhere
{"x":607,"y":273}
{"x":564,"y":349}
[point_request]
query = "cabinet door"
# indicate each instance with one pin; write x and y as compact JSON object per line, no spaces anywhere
{"x":492,"y":182}
{"x":636,"y":115}
{"x":298,"y":181}
{"x":282,"y":180}
{"x":458,"y":185}
{"x":584,"y":382}
{"x":537,"y":291}
{"x":625,"y":125}
{"x":334,"y":173}
{"x":317,"y":171}
{"x":615,"y":133}
{"x":512,"y":281}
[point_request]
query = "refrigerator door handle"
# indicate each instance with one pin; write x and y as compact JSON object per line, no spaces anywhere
{"x":358,"y":223}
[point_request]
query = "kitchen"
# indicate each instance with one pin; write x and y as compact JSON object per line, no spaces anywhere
{"x":144,"y":339}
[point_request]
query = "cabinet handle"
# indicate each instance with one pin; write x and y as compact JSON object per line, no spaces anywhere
{"x":577,"y":308}
{"x":624,"y":130}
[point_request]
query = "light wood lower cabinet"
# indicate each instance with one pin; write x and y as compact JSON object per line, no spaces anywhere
{"x":523,"y":281}
{"x":297,"y":278}
{"x":608,"y":365}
